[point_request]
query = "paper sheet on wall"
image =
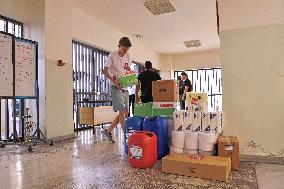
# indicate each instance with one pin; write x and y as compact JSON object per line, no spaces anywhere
{"x":6,"y":65}
{"x":25,"y":62}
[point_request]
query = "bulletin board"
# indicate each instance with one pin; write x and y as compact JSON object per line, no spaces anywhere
{"x":6,"y":65}
{"x":25,"y":68}
{"x":18,"y":64}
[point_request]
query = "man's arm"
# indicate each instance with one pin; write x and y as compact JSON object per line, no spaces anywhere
{"x":158,"y":76}
{"x":187,"y":87}
{"x":190,"y":86}
{"x":106,"y":73}
{"x":185,"y":90}
{"x":137,"y":97}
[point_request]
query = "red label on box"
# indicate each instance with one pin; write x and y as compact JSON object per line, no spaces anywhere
{"x":198,"y":157}
{"x":166,"y":105}
{"x":194,"y":101}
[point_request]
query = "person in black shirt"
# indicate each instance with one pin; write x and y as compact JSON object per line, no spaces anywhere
{"x":145,"y":79}
{"x":184,"y":87}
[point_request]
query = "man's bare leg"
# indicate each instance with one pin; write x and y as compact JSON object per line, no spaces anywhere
{"x":122,"y":115}
{"x":113,"y":124}
{"x":107,"y":132}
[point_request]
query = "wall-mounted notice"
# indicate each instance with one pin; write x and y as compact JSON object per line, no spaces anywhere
{"x":6,"y":65}
{"x":25,"y":62}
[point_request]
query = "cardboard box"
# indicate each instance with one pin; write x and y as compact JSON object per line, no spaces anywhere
{"x":195,"y":120}
{"x":86,"y":115}
{"x":164,"y":112}
{"x":104,"y":114}
{"x":165,"y":91}
{"x":128,"y":80}
{"x":178,"y":122}
{"x":216,"y":119}
{"x":196,"y":102}
{"x":192,"y":121}
{"x":164,"y":109}
{"x":164,"y":105}
{"x":228,"y":146}
{"x":143,"y":109}
{"x":205,"y":122}
{"x":207,"y":167}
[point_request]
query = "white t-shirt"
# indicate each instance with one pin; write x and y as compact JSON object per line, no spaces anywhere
{"x":131,"y":90}
{"x":117,"y":65}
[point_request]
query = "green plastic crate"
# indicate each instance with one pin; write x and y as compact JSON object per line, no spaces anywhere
{"x":143,"y":109}
{"x":128,"y":80}
{"x":164,"y":112}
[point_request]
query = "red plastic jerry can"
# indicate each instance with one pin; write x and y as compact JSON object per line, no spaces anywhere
{"x":142,"y":149}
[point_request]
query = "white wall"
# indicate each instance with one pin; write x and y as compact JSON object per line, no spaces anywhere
{"x":15,"y":9}
{"x":34,"y":30}
{"x":165,"y":66}
{"x":59,"y":90}
{"x":89,"y":30}
{"x":187,"y":61}
{"x":204,"y":59}
{"x":253,"y":85}
{"x":244,"y":14}
{"x":252,"y":73}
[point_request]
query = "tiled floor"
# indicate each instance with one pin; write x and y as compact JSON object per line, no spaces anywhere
{"x":90,"y":161}
{"x":270,"y":176}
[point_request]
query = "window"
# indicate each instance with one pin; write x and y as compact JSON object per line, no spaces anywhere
{"x":208,"y":81}
{"x":88,"y":80}
{"x":11,"y":26}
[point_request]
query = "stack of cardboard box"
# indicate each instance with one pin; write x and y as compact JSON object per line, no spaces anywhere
{"x":201,"y":130}
{"x":207,"y":125}
{"x":198,"y":165}
{"x":165,"y":96}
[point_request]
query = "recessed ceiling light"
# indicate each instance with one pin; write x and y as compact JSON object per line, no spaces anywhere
{"x":160,"y":6}
{"x":192,"y":43}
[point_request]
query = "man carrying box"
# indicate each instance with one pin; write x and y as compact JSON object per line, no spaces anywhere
{"x":117,"y":65}
{"x":145,"y":80}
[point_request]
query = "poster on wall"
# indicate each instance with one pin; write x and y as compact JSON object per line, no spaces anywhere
{"x":25,"y":68}
{"x":6,"y":65}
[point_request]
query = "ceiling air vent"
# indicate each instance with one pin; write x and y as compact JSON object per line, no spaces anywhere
{"x":158,"y":7}
{"x":193,"y":43}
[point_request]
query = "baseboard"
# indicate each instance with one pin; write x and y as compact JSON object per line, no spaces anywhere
{"x":59,"y":138}
{"x":262,"y":159}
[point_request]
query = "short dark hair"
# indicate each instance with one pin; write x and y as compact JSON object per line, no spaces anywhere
{"x":124,"y":41}
{"x":148,"y":65}
{"x":183,"y":73}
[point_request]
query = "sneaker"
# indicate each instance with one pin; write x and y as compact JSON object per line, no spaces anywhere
{"x":108,"y":135}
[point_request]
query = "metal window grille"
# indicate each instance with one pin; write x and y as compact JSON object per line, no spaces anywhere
{"x":208,"y":81}
{"x":11,"y":26}
{"x":88,"y":80}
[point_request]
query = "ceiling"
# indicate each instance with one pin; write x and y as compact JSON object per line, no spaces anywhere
{"x":193,"y":20}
